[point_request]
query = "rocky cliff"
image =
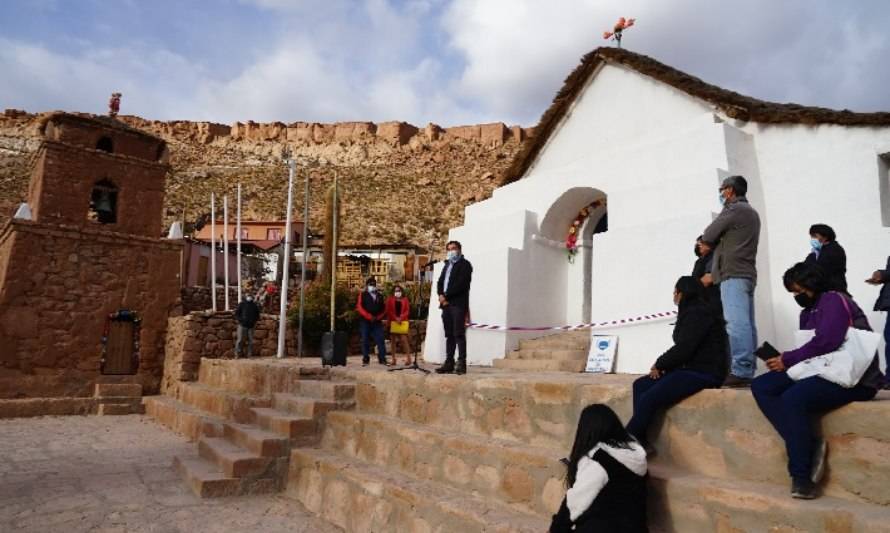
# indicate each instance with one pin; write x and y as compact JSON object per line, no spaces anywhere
{"x":399,"y":183}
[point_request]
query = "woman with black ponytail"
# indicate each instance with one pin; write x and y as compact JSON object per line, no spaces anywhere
{"x":606,"y":478}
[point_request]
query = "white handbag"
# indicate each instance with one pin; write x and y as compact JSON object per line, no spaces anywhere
{"x":844,"y":366}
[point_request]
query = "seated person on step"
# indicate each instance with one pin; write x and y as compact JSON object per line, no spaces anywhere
{"x":697,"y":360}
{"x":790,"y":405}
{"x":606,"y":478}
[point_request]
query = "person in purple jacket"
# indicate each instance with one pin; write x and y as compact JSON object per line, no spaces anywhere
{"x":790,"y":405}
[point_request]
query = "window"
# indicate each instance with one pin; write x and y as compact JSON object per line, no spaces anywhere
{"x":103,"y":203}
{"x":245,"y":233}
{"x":273,"y":234}
{"x":105,"y":144}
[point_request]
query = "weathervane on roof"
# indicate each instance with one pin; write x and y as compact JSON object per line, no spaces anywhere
{"x":114,"y":104}
{"x":616,"y":32}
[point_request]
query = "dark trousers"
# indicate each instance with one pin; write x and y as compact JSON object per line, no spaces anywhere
{"x":454,"y":322}
{"x":887,"y":348}
{"x":790,"y":405}
{"x":368,"y":331}
{"x":653,"y":395}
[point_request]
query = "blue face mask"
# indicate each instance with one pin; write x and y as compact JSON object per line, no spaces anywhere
{"x":721,"y":198}
{"x":815,"y":244}
{"x":452,"y":256}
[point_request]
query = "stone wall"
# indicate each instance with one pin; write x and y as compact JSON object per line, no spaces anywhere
{"x":212,"y":336}
{"x":198,"y":298}
{"x":59,"y":284}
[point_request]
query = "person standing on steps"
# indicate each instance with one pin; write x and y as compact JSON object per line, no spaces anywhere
{"x":246,"y":314}
{"x":372,"y":310}
{"x":829,"y":255}
{"x":453,"y":288}
{"x":398,"y":309}
{"x":734,"y":236}
{"x":882,"y":278}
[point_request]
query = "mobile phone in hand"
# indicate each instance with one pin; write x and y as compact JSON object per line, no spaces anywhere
{"x":767,"y":351}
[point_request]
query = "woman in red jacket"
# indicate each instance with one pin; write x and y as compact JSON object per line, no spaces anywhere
{"x":397,"y":310}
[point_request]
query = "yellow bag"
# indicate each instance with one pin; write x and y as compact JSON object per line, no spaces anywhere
{"x":399,"y":328}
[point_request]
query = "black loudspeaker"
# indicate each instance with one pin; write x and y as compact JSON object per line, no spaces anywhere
{"x":333,"y":348}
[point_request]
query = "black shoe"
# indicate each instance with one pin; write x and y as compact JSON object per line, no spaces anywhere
{"x":365,"y":362}
{"x":819,"y":455}
{"x":735,"y":382}
{"x":447,"y":368}
{"x":803,"y":489}
{"x":461,"y":368}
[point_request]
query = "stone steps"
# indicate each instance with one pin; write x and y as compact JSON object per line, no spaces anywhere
{"x":255,"y":377}
{"x":559,"y":355}
{"x":525,"y":477}
{"x":308,"y":407}
{"x":546,"y":365}
{"x":182,"y":418}
{"x":219,"y":402}
{"x":689,"y":502}
{"x":299,"y":430}
{"x":118,"y":399}
{"x":325,"y":389}
{"x":207,"y":481}
{"x":259,"y":441}
{"x":233,"y":460}
{"x":360,"y":497}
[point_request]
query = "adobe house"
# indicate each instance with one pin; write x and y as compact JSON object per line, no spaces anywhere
{"x":87,"y":284}
{"x":651,"y":145}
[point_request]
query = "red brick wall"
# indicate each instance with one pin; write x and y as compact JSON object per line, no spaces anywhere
{"x":86,"y":132}
{"x":63,"y":180}
{"x":59,"y":284}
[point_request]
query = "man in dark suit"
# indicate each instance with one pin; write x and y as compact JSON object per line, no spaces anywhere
{"x":454,"y":300}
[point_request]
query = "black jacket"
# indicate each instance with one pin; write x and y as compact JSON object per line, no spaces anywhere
{"x":700,"y":341}
{"x":620,"y":507}
{"x":833,"y":262}
{"x":247,"y":314}
{"x":701,"y":267}
{"x":458,"y":293}
{"x":883,"y":302}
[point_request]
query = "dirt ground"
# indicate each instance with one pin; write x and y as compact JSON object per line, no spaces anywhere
{"x":114,"y":474}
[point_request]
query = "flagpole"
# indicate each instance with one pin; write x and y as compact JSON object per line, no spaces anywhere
{"x":238,"y":245}
{"x":305,"y":238}
{"x":282,"y":312}
{"x":213,"y":251}
{"x":226,"y":247}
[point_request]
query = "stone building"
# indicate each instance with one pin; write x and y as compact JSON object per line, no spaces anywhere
{"x":86,"y":283}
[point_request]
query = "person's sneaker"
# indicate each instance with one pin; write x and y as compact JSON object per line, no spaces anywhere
{"x":735,"y":382}
{"x":819,"y":455}
{"x":447,"y":368}
{"x":803,"y":489}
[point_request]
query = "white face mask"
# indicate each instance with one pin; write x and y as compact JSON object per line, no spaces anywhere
{"x":372,"y":289}
{"x":452,"y":255}
{"x":398,"y":294}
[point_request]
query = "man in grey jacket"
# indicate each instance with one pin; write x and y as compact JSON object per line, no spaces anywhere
{"x":734,"y":236}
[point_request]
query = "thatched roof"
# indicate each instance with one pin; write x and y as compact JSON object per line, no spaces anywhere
{"x":732,"y":104}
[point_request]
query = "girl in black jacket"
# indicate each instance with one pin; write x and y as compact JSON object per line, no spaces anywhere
{"x":697,"y":360}
{"x":606,"y":478}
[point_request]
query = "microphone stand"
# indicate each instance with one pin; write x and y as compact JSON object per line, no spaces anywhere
{"x":419,"y":303}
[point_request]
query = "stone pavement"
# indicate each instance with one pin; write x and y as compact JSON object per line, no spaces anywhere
{"x":115,"y":474}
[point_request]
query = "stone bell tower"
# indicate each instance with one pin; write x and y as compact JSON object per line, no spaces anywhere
{"x":87,"y":284}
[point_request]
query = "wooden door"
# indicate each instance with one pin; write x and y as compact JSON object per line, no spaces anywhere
{"x":202,"y":271}
{"x":119,"y":349}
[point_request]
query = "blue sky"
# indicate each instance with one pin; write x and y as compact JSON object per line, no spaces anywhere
{"x":445,"y":61}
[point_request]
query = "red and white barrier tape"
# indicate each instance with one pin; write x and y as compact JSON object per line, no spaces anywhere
{"x":592,"y":325}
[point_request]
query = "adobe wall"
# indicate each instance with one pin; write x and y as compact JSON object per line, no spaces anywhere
{"x":58,"y":285}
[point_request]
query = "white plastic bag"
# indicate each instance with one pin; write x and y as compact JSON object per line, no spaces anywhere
{"x":845,"y":366}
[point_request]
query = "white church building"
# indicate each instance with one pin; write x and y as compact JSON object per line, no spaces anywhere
{"x":655,"y":143}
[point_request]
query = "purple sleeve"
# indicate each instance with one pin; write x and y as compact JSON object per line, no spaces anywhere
{"x":831,"y":322}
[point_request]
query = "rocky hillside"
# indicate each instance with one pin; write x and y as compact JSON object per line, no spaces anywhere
{"x":399,"y":183}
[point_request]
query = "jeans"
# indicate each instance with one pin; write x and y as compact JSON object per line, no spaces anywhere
{"x":375,"y":330}
{"x":737,"y":295}
{"x":242,"y":332}
{"x":790,"y":405}
{"x":454,"y":321}
{"x":652,"y":395}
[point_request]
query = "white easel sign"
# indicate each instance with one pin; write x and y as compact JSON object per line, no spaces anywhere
{"x":601,"y":358}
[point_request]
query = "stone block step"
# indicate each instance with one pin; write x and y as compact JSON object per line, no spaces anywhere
{"x":255,"y":377}
{"x":308,"y":407}
{"x":256,"y":440}
{"x":219,"y":402}
{"x":233,"y":460}
{"x":558,"y":341}
{"x":361,"y":497}
{"x":325,"y":389}
{"x":107,"y":409}
{"x":207,"y":481}
{"x":688,"y":502}
{"x":558,"y":355}
{"x":540,"y":365}
{"x":127,"y":390}
{"x":525,"y":477}
{"x":182,"y":418}
{"x":300,"y":430}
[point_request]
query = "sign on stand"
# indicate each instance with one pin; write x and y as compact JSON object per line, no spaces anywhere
{"x":601,"y":358}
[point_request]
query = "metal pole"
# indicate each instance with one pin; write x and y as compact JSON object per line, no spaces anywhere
{"x":213,"y":251}
{"x":226,"y":248}
{"x":282,"y":323}
{"x":334,"y":257}
{"x":238,"y":245}
{"x":305,"y":239}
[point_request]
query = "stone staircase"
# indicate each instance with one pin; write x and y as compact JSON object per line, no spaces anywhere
{"x":480,"y":453}
{"x":246,"y":416}
{"x":118,"y":398}
{"x":561,"y":352}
